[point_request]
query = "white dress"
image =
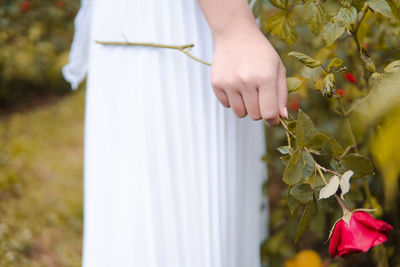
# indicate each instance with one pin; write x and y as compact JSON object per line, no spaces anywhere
{"x":171,"y":177}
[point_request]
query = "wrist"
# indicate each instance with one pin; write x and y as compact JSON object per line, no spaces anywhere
{"x":240,"y":30}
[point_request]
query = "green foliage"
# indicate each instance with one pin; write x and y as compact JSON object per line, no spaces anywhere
{"x":310,"y":212}
{"x":306,"y":60}
{"x":293,"y":84}
{"x":34,"y":40}
{"x":348,"y":119}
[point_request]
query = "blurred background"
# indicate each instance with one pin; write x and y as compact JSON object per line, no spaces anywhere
{"x":41,"y":133}
{"x":41,"y":137}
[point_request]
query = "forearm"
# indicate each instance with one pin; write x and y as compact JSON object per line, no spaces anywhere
{"x":227,"y":16}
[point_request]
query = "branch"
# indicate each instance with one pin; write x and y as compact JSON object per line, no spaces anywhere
{"x":183,"y":48}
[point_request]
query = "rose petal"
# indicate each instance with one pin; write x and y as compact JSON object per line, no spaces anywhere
{"x":335,"y":239}
{"x":369,"y":221}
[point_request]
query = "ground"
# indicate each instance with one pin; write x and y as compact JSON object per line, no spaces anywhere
{"x":41,"y":153}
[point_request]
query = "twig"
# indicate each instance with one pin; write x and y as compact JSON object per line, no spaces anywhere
{"x":346,"y":151}
{"x":286,"y":128}
{"x":183,"y":48}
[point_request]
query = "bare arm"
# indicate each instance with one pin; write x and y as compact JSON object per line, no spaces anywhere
{"x":247,"y":73}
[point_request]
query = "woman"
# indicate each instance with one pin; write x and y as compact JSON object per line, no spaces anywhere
{"x":172,"y":178}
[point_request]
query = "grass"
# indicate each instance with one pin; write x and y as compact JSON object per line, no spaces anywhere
{"x":41,"y":155}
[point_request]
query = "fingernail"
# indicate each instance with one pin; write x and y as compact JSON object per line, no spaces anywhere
{"x":285,"y":113}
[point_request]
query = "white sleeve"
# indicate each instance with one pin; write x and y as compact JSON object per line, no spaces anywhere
{"x":76,"y":69}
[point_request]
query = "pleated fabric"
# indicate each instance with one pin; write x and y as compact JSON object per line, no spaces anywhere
{"x":171,"y":177}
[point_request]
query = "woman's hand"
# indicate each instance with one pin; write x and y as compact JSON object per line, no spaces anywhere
{"x":248,"y":75}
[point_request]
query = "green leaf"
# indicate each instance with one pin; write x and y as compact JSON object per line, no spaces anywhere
{"x":367,"y":61}
{"x":293,"y":203}
{"x":358,"y":4}
{"x":282,"y":25}
{"x":310,"y":212}
{"x":332,"y":31}
{"x":309,"y":164}
{"x":332,"y":7}
{"x":285,"y":159}
{"x":393,"y":66}
{"x":293,"y":172}
{"x":299,"y":167}
{"x":318,"y":140}
{"x":315,"y":15}
{"x":346,"y":16}
{"x":305,"y":130}
{"x":306,"y":60}
{"x":335,"y":63}
{"x":327,"y":204}
{"x":302,"y":192}
{"x":293,"y":84}
{"x":360,"y":165}
{"x":257,"y":8}
{"x":281,"y":4}
{"x":381,"y":7}
{"x":395,"y":7}
{"x":284,"y":149}
{"x":332,"y":147}
{"x":328,"y":85}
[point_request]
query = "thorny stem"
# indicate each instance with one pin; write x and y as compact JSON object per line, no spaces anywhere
{"x":342,"y":205}
{"x":183,"y":48}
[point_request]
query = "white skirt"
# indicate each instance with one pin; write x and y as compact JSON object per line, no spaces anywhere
{"x":171,"y":177}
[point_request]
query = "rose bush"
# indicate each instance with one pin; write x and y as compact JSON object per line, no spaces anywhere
{"x":342,"y":58}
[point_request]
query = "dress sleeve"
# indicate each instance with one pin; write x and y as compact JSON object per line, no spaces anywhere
{"x":76,"y":69}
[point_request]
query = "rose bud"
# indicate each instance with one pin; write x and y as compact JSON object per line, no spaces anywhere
{"x":355,"y":232}
{"x":350,"y":77}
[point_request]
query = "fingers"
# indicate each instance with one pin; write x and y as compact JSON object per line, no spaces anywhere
{"x":268,"y":100}
{"x":250,"y":98}
{"x":237,"y":104}
{"x":222,"y":97}
{"x":282,"y":91}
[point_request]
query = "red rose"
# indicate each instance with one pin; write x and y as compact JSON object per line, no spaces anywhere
{"x":357,"y":231}
{"x":350,"y":77}
{"x":340,"y":92}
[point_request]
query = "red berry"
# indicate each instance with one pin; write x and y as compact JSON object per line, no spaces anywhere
{"x":60,"y":4}
{"x":293,"y":105}
{"x":350,"y":77}
{"x":26,"y":5}
{"x":340,"y":92}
